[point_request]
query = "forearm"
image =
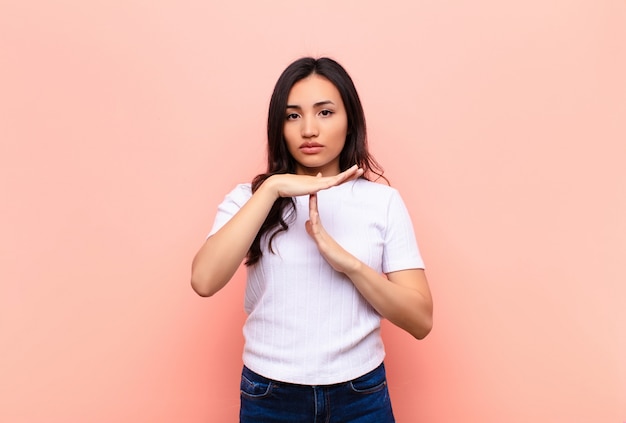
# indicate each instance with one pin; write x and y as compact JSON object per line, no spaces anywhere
{"x":403,"y":297}
{"x":222,"y":253}
{"x":408,"y":307}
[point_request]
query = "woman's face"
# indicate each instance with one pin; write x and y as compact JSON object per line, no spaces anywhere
{"x":316,"y":125}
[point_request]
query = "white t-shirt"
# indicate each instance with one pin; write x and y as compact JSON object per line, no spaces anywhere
{"x":307,"y":323}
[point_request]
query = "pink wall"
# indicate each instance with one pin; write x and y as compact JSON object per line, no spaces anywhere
{"x":123,"y":124}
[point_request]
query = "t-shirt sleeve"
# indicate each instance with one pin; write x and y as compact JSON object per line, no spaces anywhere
{"x":233,"y":201}
{"x":400,"y":251}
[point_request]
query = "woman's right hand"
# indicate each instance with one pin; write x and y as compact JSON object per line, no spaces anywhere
{"x":290,"y":185}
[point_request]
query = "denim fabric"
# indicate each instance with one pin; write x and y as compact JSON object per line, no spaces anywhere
{"x":362,"y":400}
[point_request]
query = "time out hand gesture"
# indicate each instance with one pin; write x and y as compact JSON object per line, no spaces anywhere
{"x":335,"y":254}
{"x":289,"y":185}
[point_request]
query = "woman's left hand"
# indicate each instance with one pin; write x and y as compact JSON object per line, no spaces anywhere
{"x":340,"y":260}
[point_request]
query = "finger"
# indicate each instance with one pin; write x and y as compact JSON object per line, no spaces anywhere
{"x":311,"y":225}
{"x":313,"y":212}
{"x":352,"y":173}
{"x":344,"y":176}
{"x":347,"y":175}
{"x":359,"y":172}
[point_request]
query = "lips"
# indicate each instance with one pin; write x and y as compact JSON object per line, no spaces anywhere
{"x":311,"y":147}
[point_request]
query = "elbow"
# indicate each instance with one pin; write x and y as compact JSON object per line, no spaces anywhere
{"x":418,"y":329}
{"x":419,"y":335}
{"x":424,"y":323}
{"x":204,"y":281}
{"x":423,"y":330}
{"x":201,"y":291}
{"x":201,"y":286}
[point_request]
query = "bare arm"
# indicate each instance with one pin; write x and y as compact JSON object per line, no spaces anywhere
{"x":222,"y":253}
{"x":402,"y":297}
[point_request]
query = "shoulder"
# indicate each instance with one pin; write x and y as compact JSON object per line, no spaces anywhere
{"x":240,"y":193}
{"x":244,"y":189}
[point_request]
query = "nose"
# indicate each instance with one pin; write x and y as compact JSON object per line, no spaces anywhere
{"x":309,"y":127}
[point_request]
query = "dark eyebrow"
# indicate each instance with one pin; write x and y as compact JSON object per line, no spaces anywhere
{"x":318,"y":104}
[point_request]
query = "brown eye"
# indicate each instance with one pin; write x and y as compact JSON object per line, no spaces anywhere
{"x":292,"y":116}
{"x":326,"y":112}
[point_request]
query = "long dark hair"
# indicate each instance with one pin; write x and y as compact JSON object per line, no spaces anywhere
{"x":280,"y":161}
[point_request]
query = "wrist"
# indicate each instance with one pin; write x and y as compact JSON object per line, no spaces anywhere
{"x":269,"y":188}
{"x":354,"y":267}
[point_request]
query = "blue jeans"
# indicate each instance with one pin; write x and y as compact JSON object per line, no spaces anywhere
{"x":362,"y":400}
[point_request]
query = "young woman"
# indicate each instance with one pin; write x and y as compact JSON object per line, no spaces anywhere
{"x":328,"y":253}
